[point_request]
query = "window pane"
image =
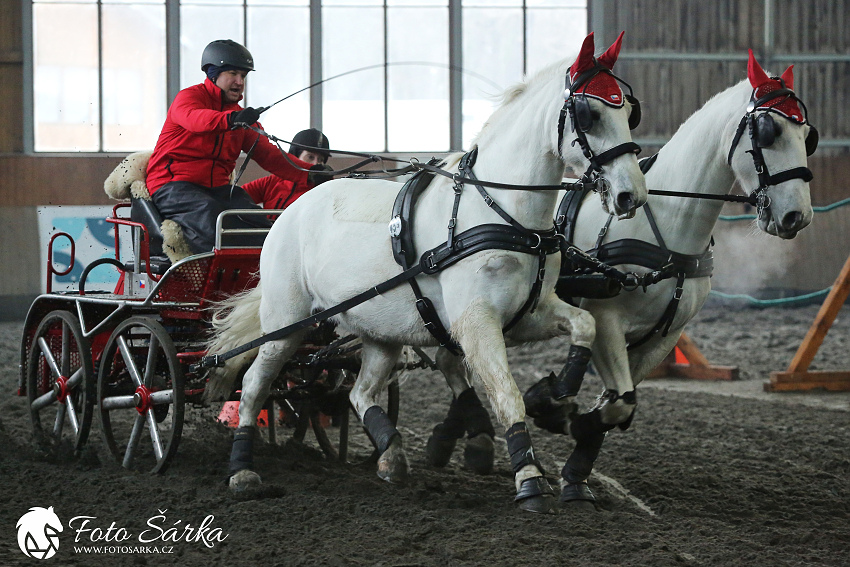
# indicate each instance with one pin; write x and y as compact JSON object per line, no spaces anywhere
{"x":283,"y":67}
{"x":200,"y":25}
{"x":261,"y":3}
{"x":353,"y":110}
{"x":65,"y":77}
{"x":492,"y":61}
{"x":418,"y":106}
{"x":553,"y":34}
{"x":133,"y":76}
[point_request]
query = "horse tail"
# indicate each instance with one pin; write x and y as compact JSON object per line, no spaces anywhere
{"x":235,"y":321}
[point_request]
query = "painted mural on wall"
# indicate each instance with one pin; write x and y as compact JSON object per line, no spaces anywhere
{"x":93,"y":237}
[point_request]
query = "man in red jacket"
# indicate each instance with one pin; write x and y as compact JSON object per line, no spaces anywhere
{"x":188,"y":175}
{"x":274,"y":192}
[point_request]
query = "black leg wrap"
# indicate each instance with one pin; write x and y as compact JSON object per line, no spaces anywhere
{"x":629,"y":398}
{"x":242,"y":452}
{"x":476,"y":420}
{"x":568,"y":382}
{"x":589,"y":432}
{"x":519,"y":447}
{"x":379,"y":428}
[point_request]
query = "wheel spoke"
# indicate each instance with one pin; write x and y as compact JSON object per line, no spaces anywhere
{"x":162,"y":397}
{"x":129,"y":362}
{"x":59,"y":421}
{"x":44,"y":400}
{"x":117,"y":402}
{"x":75,"y":379}
{"x":150,"y":367}
{"x":66,"y":349}
{"x":154,"y":430}
{"x":72,"y":414}
{"x":48,"y":357}
{"x":133,"y":442}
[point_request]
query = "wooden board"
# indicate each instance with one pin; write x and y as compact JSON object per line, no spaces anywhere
{"x":697,"y":366}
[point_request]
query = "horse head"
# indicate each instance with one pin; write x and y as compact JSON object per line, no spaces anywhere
{"x":773,"y":160}
{"x":599,"y":117}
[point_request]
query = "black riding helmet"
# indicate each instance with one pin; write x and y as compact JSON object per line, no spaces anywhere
{"x":313,"y":139}
{"x":223,"y":52}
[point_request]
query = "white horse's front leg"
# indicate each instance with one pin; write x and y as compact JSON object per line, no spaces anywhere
{"x":478,"y":330}
{"x":466,"y":416}
{"x":378,"y":362}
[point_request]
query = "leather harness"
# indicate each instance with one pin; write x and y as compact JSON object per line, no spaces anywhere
{"x":663,"y":262}
{"x":512,"y":236}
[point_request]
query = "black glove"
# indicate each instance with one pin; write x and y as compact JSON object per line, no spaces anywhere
{"x":247,"y":116}
{"x":320,"y":173}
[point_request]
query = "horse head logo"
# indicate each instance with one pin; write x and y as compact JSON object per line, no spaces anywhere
{"x":38,"y":533}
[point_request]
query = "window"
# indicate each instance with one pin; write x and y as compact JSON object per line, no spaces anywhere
{"x":101,"y":69}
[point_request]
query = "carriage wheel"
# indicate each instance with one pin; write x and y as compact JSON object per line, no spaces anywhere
{"x":335,"y":441}
{"x":60,"y":382}
{"x":140,"y":395}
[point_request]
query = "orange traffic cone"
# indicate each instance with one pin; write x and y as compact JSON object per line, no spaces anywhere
{"x":680,"y":357}
{"x":229,"y":415}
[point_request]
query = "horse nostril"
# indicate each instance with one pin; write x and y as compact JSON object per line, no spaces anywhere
{"x":625,"y":201}
{"x":792,"y":220}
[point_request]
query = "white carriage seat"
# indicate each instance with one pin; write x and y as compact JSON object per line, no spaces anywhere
{"x":127,"y":181}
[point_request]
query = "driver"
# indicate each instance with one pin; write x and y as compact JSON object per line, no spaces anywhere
{"x":188,"y":174}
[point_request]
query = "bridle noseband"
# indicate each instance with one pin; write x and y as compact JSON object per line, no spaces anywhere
{"x":577,"y":107}
{"x":762,"y":131}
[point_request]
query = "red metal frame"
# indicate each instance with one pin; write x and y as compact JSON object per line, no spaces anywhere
{"x":51,"y":271}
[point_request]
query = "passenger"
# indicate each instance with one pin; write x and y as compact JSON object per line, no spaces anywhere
{"x":189,"y":172}
{"x":274,"y":192}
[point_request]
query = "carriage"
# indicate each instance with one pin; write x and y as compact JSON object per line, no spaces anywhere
{"x":128,"y":355}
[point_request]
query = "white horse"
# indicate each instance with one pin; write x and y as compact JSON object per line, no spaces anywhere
{"x":334,"y":242}
{"x":755,"y":132}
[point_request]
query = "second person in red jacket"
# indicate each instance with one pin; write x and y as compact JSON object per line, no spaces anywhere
{"x":275,"y":192}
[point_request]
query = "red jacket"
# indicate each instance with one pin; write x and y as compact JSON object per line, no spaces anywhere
{"x":196,"y":144}
{"x":274,"y":192}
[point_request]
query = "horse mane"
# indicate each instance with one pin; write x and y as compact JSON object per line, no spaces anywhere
{"x":515,"y":91}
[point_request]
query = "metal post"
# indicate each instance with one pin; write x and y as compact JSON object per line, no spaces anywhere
{"x":767,"y":57}
{"x":316,"y":98}
{"x":455,"y":75}
{"x":28,"y":78}
{"x":172,"y":50}
{"x":596,"y":21}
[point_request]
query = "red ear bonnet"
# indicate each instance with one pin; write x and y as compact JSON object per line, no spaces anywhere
{"x":602,"y":86}
{"x":610,"y":56}
{"x":786,"y":106}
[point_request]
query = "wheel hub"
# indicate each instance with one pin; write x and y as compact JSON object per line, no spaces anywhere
{"x":142,"y":399}
{"x":60,"y":388}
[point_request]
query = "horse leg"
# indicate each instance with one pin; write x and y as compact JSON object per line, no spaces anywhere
{"x":466,"y":416}
{"x":255,"y":389}
{"x":378,"y":363}
{"x":479,"y":333}
{"x":552,"y":399}
{"x":614,"y":408}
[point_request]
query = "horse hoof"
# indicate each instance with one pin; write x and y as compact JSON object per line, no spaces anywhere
{"x":535,"y":495}
{"x":539,"y":505}
{"x":578,"y":494}
{"x":538,"y":398}
{"x":439,"y":449}
{"x":478,"y":454}
{"x":244,"y":480}
{"x":393,"y":468}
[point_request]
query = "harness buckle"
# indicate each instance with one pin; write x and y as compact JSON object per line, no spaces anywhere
{"x":539,"y":241}
{"x":677,"y":295}
{"x":489,"y":200}
{"x":452,"y":223}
